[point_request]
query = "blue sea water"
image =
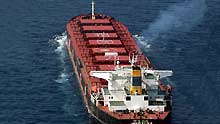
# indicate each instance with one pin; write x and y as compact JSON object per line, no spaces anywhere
{"x":37,"y":82}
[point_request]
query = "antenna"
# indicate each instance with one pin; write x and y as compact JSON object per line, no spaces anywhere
{"x":93,"y":10}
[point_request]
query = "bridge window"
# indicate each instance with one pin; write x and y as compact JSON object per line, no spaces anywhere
{"x":128,"y":98}
{"x":145,"y":98}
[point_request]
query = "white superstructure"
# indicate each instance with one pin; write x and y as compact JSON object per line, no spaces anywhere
{"x":125,"y":93}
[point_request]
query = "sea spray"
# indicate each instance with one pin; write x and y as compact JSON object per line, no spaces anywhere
{"x":142,"y":42}
{"x":180,"y":17}
{"x":61,"y":51}
{"x":64,"y":79}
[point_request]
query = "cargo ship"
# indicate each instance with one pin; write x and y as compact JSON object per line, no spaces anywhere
{"x":118,"y":82}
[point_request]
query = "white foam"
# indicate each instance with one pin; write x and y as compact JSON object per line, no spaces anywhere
{"x":61,"y":51}
{"x":142,"y":42}
{"x":60,"y":39}
{"x":63,"y":77}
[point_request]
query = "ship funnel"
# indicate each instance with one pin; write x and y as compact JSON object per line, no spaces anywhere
{"x":136,"y":80}
{"x":93,"y":10}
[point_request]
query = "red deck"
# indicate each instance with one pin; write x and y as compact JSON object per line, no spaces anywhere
{"x":96,"y":21}
{"x":105,"y":42}
{"x":111,"y":59}
{"x":101,"y":35}
{"x":108,"y":67}
{"x":98,"y":28}
{"x":119,"y":50}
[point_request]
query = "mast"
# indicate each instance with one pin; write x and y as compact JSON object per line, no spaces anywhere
{"x":132,"y":59}
{"x":93,"y":10}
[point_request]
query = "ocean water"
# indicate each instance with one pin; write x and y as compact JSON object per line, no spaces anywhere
{"x":37,"y":82}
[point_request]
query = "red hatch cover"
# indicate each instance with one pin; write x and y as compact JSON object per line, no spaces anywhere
{"x":96,"y":21}
{"x":98,"y":28}
{"x":106,"y":67}
{"x":105,"y":42}
{"x":110,"y":58}
{"x":103,"y":50}
{"x":101,"y":35}
{"x":110,"y":67}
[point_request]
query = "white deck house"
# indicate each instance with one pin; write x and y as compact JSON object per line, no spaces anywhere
{"x":117,"y":96}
